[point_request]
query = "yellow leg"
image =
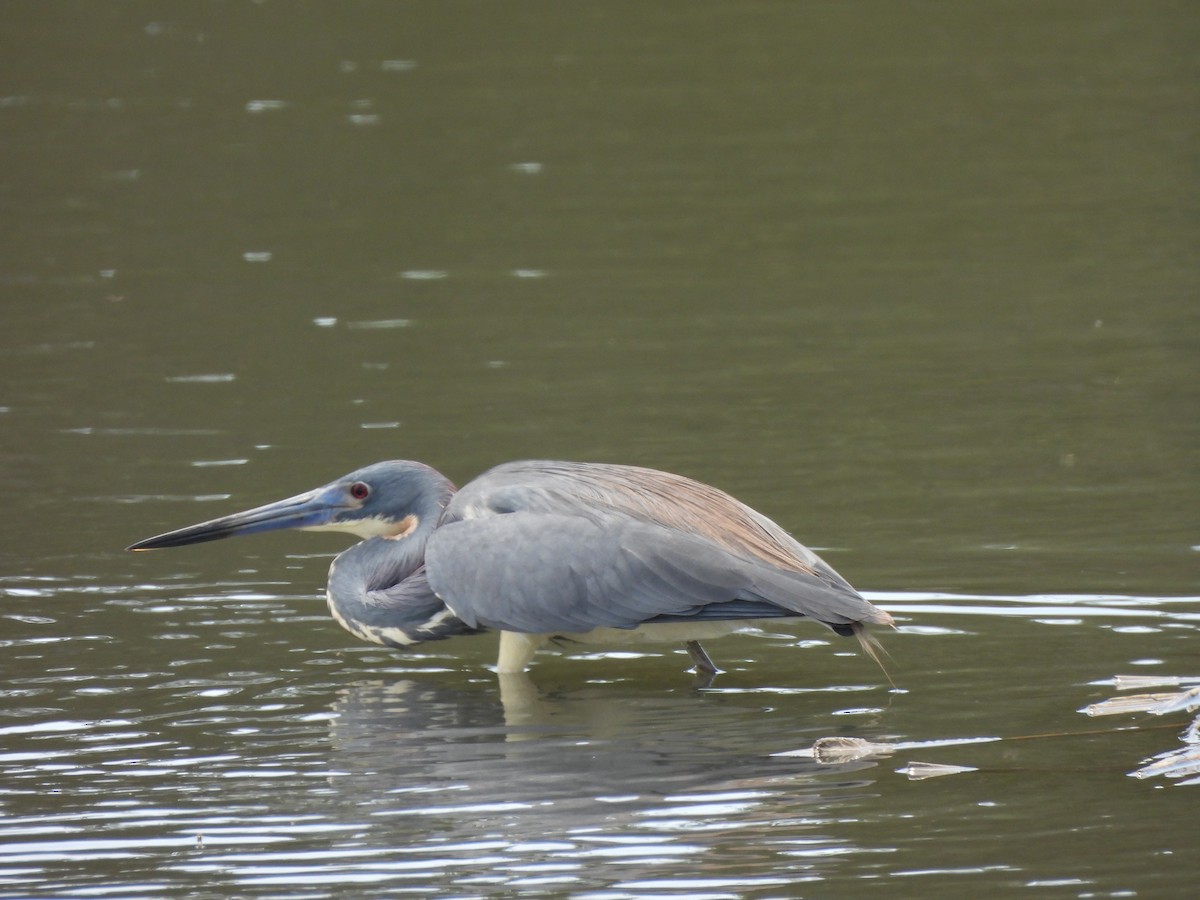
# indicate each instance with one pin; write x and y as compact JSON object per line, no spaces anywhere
{"x":516,"y":650}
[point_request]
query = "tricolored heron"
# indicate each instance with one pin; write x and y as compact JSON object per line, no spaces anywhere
{"x":589,"y":552}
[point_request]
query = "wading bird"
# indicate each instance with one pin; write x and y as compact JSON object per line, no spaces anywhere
{"x":537,"y":550}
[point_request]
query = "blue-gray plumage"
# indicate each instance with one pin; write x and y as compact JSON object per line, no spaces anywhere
{"x":537,"y":549}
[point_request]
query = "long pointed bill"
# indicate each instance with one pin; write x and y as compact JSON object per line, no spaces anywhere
{"x":308,"y":510}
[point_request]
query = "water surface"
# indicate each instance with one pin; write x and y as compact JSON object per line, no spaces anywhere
{"x":917,"y":281}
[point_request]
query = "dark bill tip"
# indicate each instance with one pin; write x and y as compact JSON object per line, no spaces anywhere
{"x":303,"y":510}
{"x":179,"y":538}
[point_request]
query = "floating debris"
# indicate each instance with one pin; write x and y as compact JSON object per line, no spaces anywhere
{"x":918,"y":771}
{"x":1183,"y":763}
{"x":1156,"y":704}
{"x":1185,"y":701}
{"x":1192,"y":735}
{"x":835,"y":750}
{"x":213,"y":378}
{"x":1172,"y":764}
{"x":381,"y":323}
{"x":1134,"y":703}
{"x":1179,"y":763}
{"x":1130,"y":682}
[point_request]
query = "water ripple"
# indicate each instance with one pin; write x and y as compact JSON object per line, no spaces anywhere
{"x":200,"y":736}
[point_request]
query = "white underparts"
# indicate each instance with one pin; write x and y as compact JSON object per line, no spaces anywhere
{"x":370,"y":634}
{"x":391,"y":636}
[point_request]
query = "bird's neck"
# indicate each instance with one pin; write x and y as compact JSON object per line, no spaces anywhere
{"x":383,"y":562}
{"x":379,"y":593}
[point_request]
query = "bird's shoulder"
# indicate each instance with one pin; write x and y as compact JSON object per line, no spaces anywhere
{"x":534,"y":485}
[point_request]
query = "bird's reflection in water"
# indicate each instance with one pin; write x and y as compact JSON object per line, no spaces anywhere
{"x":483,"y":743}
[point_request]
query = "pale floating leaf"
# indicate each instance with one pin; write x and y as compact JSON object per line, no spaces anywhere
{"x":834,"y":750}
{"x":1141,"y":682}
{"x":1192,"y":735}
{"x":1184,"y":701}
{"x":917,"y":771}
{"x":1175,"y":764}
{"x":1131,"y":704}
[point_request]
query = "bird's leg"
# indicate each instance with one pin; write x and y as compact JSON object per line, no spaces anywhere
{"x":703,"y":664}
{"x":516,"y":650}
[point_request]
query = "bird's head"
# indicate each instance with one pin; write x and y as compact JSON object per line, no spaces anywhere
{"x":386,"y":499}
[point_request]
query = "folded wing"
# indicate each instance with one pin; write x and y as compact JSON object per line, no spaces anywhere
{"x":548,"y":573}
{"x":678,"y":503}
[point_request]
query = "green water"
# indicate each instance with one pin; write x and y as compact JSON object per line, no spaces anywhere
{"x":916,"y":280}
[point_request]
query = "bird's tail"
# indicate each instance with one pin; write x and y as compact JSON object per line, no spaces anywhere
{"x":872,"y":647}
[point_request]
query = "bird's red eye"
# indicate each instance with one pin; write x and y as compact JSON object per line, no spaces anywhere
{"x":360,"y":491}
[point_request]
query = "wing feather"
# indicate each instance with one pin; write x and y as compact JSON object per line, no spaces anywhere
{"x":551,"y":573}
{"x":676,"y":502}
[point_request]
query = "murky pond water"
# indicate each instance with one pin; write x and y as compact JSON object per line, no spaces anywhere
{"x":201,"y":739}
{"x":917,"y":282}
